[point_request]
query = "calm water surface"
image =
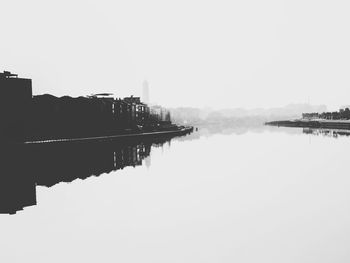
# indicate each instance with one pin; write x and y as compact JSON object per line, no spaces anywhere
{"x":277,"y":195}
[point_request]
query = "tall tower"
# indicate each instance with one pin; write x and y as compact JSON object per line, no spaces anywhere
{"x":145,"y":92}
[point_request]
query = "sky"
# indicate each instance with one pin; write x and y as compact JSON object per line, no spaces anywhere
{"x":218,"y":54}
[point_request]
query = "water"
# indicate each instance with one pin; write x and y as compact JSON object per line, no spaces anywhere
{"x":268,"y":195}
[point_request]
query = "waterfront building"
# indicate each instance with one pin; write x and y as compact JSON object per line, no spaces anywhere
{"x":15,"y":99}
{"x":140,"y":111}
{"x":42,"y":117}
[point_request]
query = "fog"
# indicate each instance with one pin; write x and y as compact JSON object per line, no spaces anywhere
{"x":218,"y":54}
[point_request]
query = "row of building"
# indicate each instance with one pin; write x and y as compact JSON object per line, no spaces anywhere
{"x":24,"y":116}
{"x":342,"y":114}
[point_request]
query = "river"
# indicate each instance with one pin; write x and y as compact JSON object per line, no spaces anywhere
{"x":261,"y":195}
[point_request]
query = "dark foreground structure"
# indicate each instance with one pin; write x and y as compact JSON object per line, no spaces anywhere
{"x":25,"y":117}
{"x":46,"y":140}
{"x":15,"y":102}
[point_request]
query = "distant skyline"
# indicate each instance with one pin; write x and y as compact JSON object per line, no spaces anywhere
{"x":218,"y":54}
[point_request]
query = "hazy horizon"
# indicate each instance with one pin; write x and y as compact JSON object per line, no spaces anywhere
{"x":218,"y":54}
{"x":227,"y":170}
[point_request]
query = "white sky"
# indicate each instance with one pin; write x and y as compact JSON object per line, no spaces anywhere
{"x":249,"y":53}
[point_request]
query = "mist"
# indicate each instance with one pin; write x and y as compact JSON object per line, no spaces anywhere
{"x":218,"y":54}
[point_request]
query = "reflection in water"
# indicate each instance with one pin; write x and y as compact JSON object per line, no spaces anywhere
{"x":326,"y":132}
{"x":258,"y":197}
{"x":209,"y":130}
{"x":24,"y":167}
{"x":17,"y":187}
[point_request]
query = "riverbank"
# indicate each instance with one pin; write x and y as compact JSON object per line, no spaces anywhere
{"x":315,"y":123}
{"x":135,"y":135}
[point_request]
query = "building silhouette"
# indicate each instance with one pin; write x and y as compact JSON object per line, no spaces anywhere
{"x":15,"y":99}
{"x":24,"y":117}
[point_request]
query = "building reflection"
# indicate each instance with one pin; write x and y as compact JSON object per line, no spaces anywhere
{"x":17,"y":187}
{"x":24,"y":167}
{"x":333,"y":133}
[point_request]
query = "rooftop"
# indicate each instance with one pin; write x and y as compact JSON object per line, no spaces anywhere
{"x":8,"y":74}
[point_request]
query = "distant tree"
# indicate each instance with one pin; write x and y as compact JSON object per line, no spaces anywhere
{"x":335,"y":115}
{"x":347,"y":113}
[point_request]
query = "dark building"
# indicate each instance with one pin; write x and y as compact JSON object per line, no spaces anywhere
{"x":42,"y":117}
{"x":139,"y":111}
{"x":15,"y":99}
{"x":68,"y":117}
